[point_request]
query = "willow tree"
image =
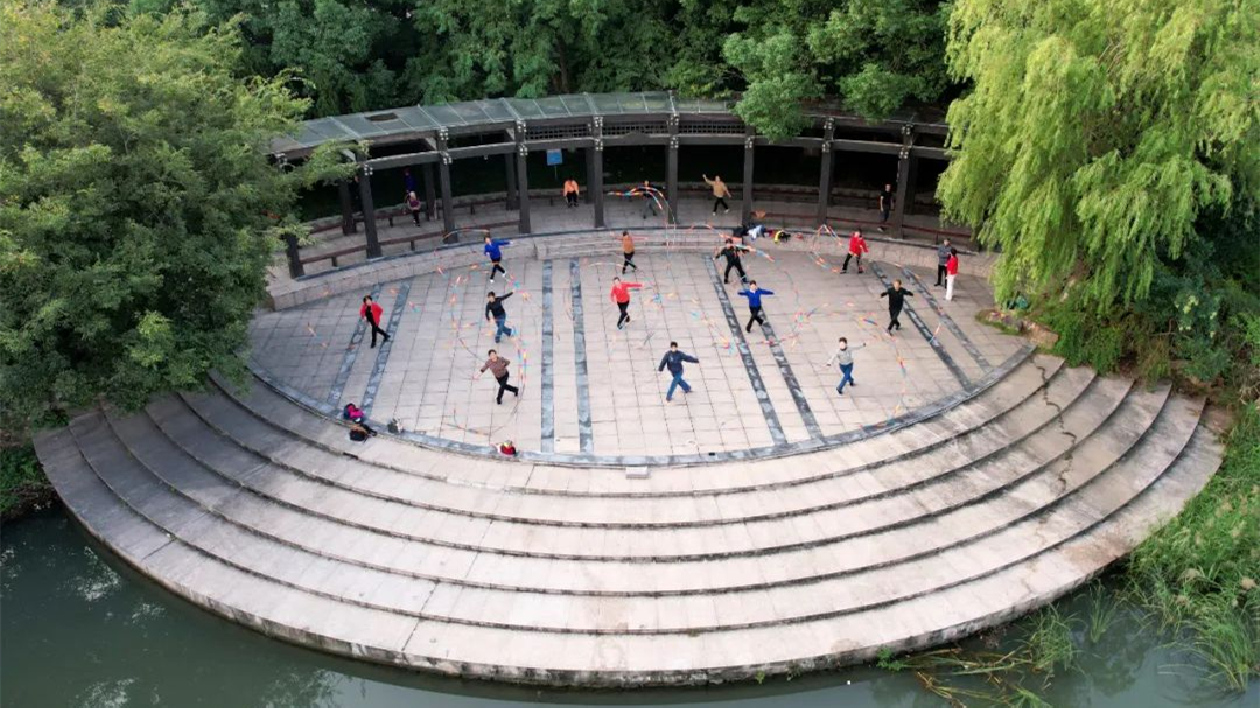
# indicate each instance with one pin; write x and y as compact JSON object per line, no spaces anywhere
{"x":138,"y":211}
{"x":1096,"y":131}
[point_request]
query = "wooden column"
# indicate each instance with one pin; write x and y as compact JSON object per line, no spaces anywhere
{"x":824,"y":172}
{"x":590,"y":174}
{"x":448,"y":207}
{"x":824,"y":183}
{"x":597,"y":182}
{"x":904,"y":174}
{"x":671,"y":171}
{"x":369,"y":212}
{"x":430,"y":195}
{"x":522,"y":179}
{"x":509,"y":162}
{"x":671,"y":180}
{"x":294,"y":255}
{"x":746,"y":207}
{"x":348,"y":226}
{"x":912,"y":176}
{"x":595,"y":190}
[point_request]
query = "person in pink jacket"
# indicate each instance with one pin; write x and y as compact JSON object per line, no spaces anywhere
{"x":951,"y":272}
{"x":857,"y":246}
{"x":620,"y":294}
{"x":372,"y":312}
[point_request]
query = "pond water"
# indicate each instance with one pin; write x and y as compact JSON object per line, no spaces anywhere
{"x":77,"y":630}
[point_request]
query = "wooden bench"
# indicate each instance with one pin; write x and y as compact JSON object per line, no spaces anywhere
{"x":410,"y":240}
{"x":333,"y":255}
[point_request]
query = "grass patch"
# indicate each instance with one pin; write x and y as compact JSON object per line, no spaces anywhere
{"x":23,"y":485}
{"x":1198,"y":574}
{"x":1045,"y":645}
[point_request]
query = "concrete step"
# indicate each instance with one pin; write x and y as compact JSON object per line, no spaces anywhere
{"x":721,"y":538}
{"x":274,"y":413}
{"x":636,"y":658}
{"x":236,"y":595}
{"x":910,"y":541}
{"x":218,"y":425}
{"x":290,"y":566}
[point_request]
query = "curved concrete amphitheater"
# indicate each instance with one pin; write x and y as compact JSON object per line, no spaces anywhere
{"x":966,"y":480}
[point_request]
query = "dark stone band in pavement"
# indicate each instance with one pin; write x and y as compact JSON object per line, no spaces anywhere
{"x":784,"y":449}
{"x":382,"y":352}
{"x":586,"y":438}
{"x":547,"y":436}
{"x":924,"y":330}
{"x":794,"y":386}
{"x":745,"y":355}
{"x":948,"y":321}
{"x":351,"y":356}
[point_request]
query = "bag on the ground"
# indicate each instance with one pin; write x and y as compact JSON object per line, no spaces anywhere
{"x":358,"y":433}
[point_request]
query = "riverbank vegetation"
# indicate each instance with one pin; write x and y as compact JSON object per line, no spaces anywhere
{"x":1200,"y":574}
{"x":23,"y":486}
{"x":1194,"y":582}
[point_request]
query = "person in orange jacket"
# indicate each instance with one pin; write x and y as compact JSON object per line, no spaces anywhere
{"x":620,"y":294}
{"x":371,"y":312}
{"x":571,"y":192}
{"x":627,"y":252}
{"x":720,"y":192}
{"x":857,"y":246}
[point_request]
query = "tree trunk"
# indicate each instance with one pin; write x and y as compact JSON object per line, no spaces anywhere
{"x":562,"y":61}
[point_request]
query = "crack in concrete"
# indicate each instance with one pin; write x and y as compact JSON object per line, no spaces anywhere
{"x":1061,"y":477}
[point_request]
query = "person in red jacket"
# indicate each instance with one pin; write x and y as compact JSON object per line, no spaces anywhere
{"x":620,"y":294}
{"x":951,"y":271}
{"x":371,"y":312}
{"x":857,"y":246}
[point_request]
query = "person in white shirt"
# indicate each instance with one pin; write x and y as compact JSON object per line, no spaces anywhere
{"x":844,"y":357}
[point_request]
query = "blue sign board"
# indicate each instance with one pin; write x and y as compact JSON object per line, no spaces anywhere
{"x":554,"y":157}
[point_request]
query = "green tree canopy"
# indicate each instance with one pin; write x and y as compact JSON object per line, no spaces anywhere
{"x":874,"y":55}
{"x":877,"y":55}
{"x":532,"y":48}
{"x":1096,"y":133}
{"x":351,"y":56}
{"x":138,"y":210}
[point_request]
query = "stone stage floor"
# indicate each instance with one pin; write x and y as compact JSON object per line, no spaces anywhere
{"x":591,"y":391}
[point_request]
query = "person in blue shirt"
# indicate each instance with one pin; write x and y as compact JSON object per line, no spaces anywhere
{"x":674,"y":359}
{"x":754,"y":295}
{"x":492,"y":250}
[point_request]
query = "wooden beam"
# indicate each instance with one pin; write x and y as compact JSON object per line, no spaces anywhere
{"x":413,"y":158}
{"x":866,"y":146}
{"x":462,"y":153}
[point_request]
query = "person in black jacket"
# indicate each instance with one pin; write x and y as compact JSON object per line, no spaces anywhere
{"x":896,"y":299}
{"x":943,"y":252}
{"x":731,"y":251}
{"x":494,"y":307}
{"x":674,"y":359}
